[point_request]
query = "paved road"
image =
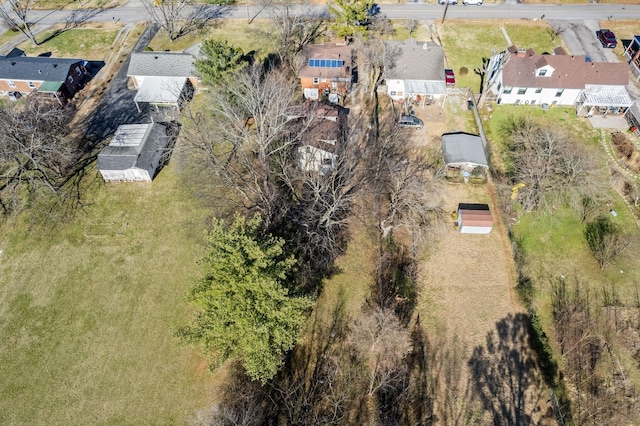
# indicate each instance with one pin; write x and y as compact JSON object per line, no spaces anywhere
{"x":133,"y":11}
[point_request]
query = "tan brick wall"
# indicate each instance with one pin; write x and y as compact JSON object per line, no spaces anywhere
{"x":20,"y":86}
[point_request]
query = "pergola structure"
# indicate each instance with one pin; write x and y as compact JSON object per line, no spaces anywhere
{"x":603,"y":99}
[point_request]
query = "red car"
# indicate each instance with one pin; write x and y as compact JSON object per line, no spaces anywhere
{"x":607,"y":38}
{"x":449,"y":77}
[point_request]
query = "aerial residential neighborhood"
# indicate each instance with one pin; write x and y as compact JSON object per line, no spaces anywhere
{"x":347,"y":212}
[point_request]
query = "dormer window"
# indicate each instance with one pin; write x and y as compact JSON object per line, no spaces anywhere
{"x":542,"y":73}
{"x":11,"y":83}
{"x":31,"y":85}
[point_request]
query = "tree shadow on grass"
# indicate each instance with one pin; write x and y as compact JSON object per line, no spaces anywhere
{"x":506,"y":374}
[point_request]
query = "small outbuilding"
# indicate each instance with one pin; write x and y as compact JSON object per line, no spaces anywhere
{"x":464,"y":155}
{"x":474,"y":218}
{"x":134,"y":154}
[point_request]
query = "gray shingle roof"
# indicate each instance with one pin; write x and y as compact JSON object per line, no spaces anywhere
{"x":162,"y":64}
{"x":133,"y":145}
{"x":413,"y":60}
{"x":463,"y":148}
{"x":35,"y":69}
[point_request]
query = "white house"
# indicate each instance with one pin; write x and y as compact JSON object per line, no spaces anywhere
{"x":134,"y":153}
{"x":414,"y":69}
{"x":162,"y":78}
{"x":528,"y":78}
{"x":474,"y":218}
{"x":320,"y":129}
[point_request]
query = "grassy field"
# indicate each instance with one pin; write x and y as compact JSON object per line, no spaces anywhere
{"x":486,"y":36}
{"x":87,"y":310}
{"x":96,"y":42}
{"x":250,"y":38}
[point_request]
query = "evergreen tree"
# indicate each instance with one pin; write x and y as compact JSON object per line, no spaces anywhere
{"x":246,"y":312}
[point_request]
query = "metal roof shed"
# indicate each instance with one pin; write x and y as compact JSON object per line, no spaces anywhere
{"x":134,"y":153}
{"x":474,"y":218}
{"x":463,"y":151}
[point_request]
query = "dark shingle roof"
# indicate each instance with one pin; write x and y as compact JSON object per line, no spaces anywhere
{"x":133,"y":145}
{"x":35,"y":69}
{"x":162,"y":64}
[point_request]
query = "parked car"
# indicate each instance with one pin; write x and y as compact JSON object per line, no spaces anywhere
{"x":448,"y":1}
{"x":476,"y":2}
{"x":449,"y":77}
{"x":410,"y":121}
{"x":607,"y":38}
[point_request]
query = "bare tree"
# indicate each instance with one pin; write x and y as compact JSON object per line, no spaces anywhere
{"x":410,"y":25}
{"x":35,"y":152}
{"x":181,"y":17}
{"x":551,"y":165}
{"x":15,"y":13}
{"x":382,"y":342}
{"x":295,"y":29}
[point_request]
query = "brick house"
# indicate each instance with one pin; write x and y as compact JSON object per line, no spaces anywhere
{"x":60,"y":77}
{"x":328,"y":69}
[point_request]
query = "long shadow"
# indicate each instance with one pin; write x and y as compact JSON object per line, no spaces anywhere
{"x":506,"y":373}
{"x":117,"y":106}
{"x":74,"y":20}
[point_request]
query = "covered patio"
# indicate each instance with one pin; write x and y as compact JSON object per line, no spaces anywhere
{"x":603,"y":100}
{"x":162,"y":91}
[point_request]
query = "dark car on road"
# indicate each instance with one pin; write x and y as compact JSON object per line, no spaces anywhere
{"x":607,"y":38}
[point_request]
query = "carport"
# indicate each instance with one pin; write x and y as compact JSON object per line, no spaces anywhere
{"x":603,"y":100}
{"x":161,"y":91}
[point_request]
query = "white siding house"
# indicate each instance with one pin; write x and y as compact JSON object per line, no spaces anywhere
{"x":134,"y":153}
{"x":414,"y":69}
{"x":527,"y":78}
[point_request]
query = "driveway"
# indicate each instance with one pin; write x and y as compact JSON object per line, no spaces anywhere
{"x":580,"y":38}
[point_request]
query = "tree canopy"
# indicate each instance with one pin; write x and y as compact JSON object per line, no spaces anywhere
{"x":220,"y":60}
{"x":351,"y":16}
{"x":246,"y":312}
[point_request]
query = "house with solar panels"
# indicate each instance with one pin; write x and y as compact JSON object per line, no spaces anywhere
{"x":328,"y":71}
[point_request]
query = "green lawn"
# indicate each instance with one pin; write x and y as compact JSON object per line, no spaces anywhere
{"x":89,"y":43}
{"x":467,"y":43}
{"x":88,"y":308}
{"x":256,"y":37}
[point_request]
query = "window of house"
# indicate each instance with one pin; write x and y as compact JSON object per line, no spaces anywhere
{"x":542,"y":73}
{"x":393,"y":93}
{"x":559,"y":93}
{"x":499,"y":86}
{"x":11,"y":83}
{"x":522,"y":91}
{"x":31,"y":85}
{"x":70,"y":79}
{"x":78,"y":71}
{"x":326,"y":161}
{"x":539,"y":90}
{"x":507,"y":90}
{"x":316,"y":80}
{"x":324,"y":80}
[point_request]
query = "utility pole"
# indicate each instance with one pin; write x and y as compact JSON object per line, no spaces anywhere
{"x":444,"y":14}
